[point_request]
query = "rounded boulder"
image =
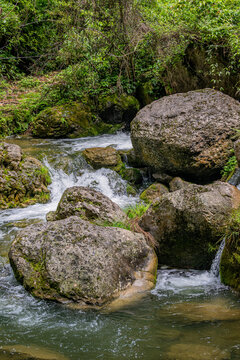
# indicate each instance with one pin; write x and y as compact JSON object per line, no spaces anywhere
{"x":187,"y":134}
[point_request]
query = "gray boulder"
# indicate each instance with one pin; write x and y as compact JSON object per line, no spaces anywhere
{"x":74,"y":261}
{"x":187,"y":134}
{"x":188,"y":223}
{"x":88,"y":204}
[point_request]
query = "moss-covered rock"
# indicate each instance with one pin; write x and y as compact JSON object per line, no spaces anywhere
{"x":109,"y":157}
{"x":99,"y":157}
{"x":69,"y":120}
{"x":23,"y":180}
{"x":132,"y":175}
{"x":230,"y":260}
{"x":72,"y":260}
{"x":153,"y":192}
{"x":189,"y":223}
{"x":144,"y":92}
{"x":115,"y":109}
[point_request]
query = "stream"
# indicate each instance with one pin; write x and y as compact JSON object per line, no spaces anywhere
{"x":189,"y":314}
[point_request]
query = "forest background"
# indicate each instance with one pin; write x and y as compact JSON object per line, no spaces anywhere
{"x":54,"y":52}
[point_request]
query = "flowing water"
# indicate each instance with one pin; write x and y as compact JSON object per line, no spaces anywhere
{"x":189,"y":315}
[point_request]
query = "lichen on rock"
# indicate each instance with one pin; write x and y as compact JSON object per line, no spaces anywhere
{"x":88,"y":204}
{"x":72,"y":260}
{"x":187,"y":134}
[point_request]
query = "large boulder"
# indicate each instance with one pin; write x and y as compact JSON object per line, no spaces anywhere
{"x":23,"y":179}
{"x":188,"y":223}
{"x":189,"y":134}
{"x":88,"y":204}
{"x":72,"y":260}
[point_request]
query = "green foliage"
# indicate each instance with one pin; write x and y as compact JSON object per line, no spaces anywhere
{"x":109,"y":47}
{"x":229,"y":168}
{"x":137,"y":210}
{"x":44,"y":175}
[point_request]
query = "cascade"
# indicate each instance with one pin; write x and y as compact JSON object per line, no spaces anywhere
{"x":214,"y":271}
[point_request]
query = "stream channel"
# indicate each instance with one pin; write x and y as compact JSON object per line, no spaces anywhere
{"x":189,"y":313}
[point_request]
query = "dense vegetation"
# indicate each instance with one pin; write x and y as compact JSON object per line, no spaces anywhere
{"x":56,"y":51}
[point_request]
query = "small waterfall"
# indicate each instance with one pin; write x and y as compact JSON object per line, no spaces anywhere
{"x":214,"y":271}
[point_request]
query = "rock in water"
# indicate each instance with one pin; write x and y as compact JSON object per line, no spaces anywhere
{"x":190,"y":351}
{"x":22,"y":352}
{"x":72,"y":260}
{"x":188,"y":223}
{"x":99,"y":157}
{"x":23,"y":179}
{"x":188,"y":134}
{"x":88,"y":204}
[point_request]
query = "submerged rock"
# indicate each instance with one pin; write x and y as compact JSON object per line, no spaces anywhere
{"x":72,"y":260}
{"x":153,"y":192}
{"x":188,"y":223}
{"x":88,"y":204}
{"x":208,"y":311}
{"x":23,"y":179}
{"x":189,"y":134}
{"x":22,"y":352}
{"x":190,"y":351}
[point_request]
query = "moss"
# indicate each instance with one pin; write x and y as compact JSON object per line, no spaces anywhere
{"x":230,"y":260}
{"x":71,"y":120}
{"x":130,"y":190}
{"x":124,"y":102}
{"x":152,"y":192}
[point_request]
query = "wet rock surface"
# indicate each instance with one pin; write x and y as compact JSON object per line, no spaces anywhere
{"x":187,"y":134}
{"x":208,"y":311}
{"x":196,"y":352}
{"x":188,"y":223}
{"x":22,"y":352}
{"x":72,"y":260}
{"x":99,"y":157}
{"x":23,"y":179}
{"x":87,"y":204}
